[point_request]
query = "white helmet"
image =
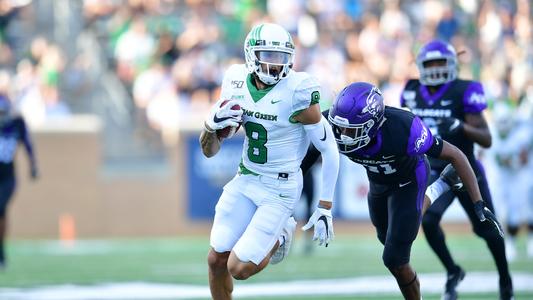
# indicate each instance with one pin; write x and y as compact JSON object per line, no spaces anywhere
{"x":269,"y":45}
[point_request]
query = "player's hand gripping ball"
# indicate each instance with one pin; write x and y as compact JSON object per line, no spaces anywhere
{"x":235,"y":112}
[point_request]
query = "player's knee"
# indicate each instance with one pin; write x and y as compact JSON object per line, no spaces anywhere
{"x":399,"y":271}
{"x":239,"y":271}
{"x":430,"y":222}
{"x":485,"y":231}
{"x":382,"y":237}
{"x":395,"y":256}
{"x":217,"y":261}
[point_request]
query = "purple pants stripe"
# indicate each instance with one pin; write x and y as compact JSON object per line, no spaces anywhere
{"x":422,"y":177}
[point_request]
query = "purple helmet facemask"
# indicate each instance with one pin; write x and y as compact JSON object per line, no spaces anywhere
{"x":356,"y":116}
{"x":437,"y":75}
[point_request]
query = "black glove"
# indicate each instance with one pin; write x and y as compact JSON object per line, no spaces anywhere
{"x":484,"y":214}
{"x":449,"y":126}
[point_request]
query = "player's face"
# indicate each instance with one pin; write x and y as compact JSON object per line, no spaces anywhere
{"x":349,"y":132}
{"x":272,"y":62}
{"x":437,"y":67}
{"x":435,"y":63}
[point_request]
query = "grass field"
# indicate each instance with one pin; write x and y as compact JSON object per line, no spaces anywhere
{"x":37,"y":264}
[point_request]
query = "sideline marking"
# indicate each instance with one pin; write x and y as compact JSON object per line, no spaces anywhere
{"x":431,"y":283}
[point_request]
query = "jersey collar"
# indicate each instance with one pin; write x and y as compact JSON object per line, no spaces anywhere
{"x":429,"y":98}
{"x":256,"y":93}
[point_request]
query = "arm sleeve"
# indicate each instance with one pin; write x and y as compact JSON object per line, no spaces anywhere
{"x":435,"y":149}
{"x":474,"y":98}
{"x":306,"y":94}
{"x":312,"y":155}
{"x":321,"y":135}
{"x":225,"y":86}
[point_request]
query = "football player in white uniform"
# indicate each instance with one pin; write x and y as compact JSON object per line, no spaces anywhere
{"x":253,"y":222}
{"x":512,"y":143}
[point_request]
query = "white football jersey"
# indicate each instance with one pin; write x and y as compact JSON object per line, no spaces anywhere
{"x":274,"y":143}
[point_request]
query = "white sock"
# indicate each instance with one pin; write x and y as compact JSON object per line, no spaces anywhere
{"x":436,"y":189}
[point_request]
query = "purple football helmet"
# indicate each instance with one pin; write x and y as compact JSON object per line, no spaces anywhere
{"x":356,"y":116}
{"x":445,"y":67}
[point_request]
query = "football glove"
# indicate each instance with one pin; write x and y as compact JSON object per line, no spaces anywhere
{"x":484,"y":214}
{"x":323,"y":223}
{"x":449,"y":175}
{"x":449,"y":126}
{"x":222,"y":117}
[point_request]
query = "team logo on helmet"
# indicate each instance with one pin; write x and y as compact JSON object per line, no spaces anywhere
{"x":373,"y":106}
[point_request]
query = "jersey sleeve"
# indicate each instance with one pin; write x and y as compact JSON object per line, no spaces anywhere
{"x":225,"y":87}
{"x":408,"y":93}
{"x":306,"y":93}
{"x":474,"y":98}
{"x":420,"y":138}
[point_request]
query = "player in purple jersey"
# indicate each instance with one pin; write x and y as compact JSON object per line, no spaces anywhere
{"x":452,"y":108}
{"x":12,"y":132}
{"x":392,"y":145}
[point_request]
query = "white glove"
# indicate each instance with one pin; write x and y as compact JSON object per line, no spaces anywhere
{"x":323,"y":223}
{"x":222,"y":117}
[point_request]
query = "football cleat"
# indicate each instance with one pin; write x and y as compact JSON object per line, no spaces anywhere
{"x":453,"y":280}
{"x":451,"y":178}
{"x":284,"y":247}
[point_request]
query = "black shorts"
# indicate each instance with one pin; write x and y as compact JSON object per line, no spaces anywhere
{"x":7,"y":187}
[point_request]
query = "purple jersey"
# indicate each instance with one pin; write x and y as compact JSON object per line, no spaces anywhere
{"x":400,"y":144}
{"x":396,"y":152}
{"x":453,"y":99}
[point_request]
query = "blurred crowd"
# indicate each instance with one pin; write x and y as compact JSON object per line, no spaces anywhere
{"x":171,"y":54}
{"x":30,"y":70}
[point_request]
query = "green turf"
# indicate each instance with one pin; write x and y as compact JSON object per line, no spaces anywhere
{"x":183,"y":260}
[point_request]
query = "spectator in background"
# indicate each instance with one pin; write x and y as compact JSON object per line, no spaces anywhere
{"x":133,"y":50}
{"x":447,"y":26}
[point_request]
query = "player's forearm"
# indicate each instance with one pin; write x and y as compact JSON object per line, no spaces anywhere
{"x":479,"y":136}
{"x":330,"y":171}
{"x":321,"y":135}
{"x":325,"y":204}
{"x":209,"y":142}
{"x":466,"y":173}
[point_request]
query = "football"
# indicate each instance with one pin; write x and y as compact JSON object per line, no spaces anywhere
{"x":228,"y":132}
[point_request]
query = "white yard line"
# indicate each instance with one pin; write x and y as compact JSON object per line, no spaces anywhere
{"x":474,"y":282}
